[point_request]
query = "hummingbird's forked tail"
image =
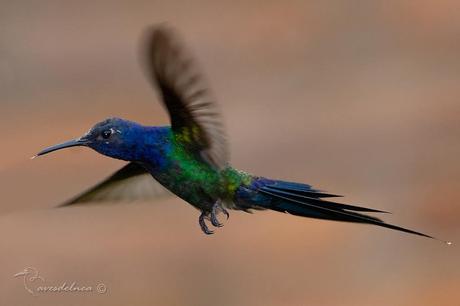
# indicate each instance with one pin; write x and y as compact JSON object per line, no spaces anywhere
{"x":302,"y":200}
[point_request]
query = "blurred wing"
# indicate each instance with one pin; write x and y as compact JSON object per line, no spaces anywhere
{"x":130,"y":183}
{"x":195,"y":117}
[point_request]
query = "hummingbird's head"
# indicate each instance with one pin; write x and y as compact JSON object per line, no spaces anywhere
{"x":113,"y":137}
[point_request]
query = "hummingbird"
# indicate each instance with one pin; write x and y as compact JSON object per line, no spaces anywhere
{"x":190,"y":158}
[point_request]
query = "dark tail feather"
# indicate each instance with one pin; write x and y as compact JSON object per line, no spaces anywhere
{"x":302,"y":200}
{"x":316,"y":198}
{"x":301,"y":189}
{"x":305,"y":209}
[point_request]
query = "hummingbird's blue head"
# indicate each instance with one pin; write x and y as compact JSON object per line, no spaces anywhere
{"x":113,"y":137}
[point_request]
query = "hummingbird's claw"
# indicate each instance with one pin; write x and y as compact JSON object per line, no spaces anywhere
{"x":202,"y":222}
{"x":225,"y":212}
{"x":215,"y":210}
{"x":212,"y":216}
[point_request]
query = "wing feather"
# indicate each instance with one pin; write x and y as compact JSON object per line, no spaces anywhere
{"x":194,"y":113}
{"x":130,"y":183}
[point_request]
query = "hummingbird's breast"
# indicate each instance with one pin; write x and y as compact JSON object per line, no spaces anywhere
{"x":188,"y":177}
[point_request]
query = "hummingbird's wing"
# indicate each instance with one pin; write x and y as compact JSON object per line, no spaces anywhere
{"x":195,"y":117}
{"x":130,"y":183}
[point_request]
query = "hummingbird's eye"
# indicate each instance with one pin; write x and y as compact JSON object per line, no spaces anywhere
{"x":106,"y":134}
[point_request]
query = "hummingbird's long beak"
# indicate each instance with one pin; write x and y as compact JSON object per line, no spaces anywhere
{"x":67,"y":144}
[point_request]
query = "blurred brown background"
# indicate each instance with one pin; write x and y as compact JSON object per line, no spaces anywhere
{"x":355,"y":97}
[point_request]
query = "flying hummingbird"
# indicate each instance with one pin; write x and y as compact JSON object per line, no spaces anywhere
{"x":190,"y":158}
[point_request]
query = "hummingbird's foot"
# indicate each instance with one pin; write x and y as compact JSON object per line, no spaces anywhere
{"x":202,"y":222}
{"x":215,"y":210}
